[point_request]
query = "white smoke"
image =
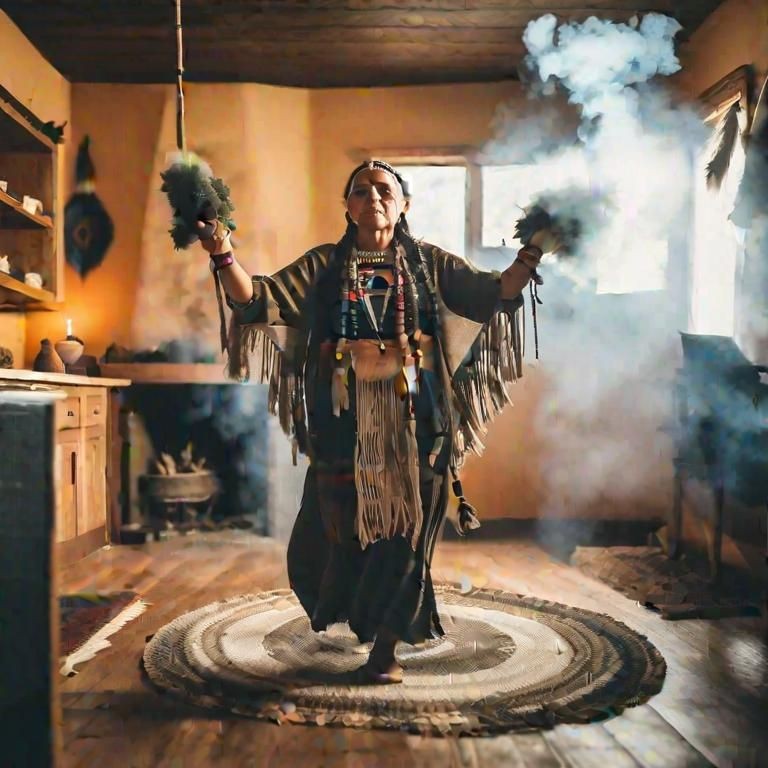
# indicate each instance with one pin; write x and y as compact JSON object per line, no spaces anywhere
{"x":610,"y":358}
{"x":638,"y":144}
{"x":597,"y":62}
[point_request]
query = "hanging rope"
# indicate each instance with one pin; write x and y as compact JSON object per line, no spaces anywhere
{"x":194,"y":194}
{"x":181,"y":138}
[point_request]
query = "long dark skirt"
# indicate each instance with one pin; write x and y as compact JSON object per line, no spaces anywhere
{"x":387,"y":584}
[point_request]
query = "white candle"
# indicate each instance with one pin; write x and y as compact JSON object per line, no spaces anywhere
{"x":69,"y":327}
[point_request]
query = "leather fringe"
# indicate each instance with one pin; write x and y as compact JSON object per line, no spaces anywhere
{"x":386,"y":466}
{"x":480,"y":385}
{"x":285,"y":394}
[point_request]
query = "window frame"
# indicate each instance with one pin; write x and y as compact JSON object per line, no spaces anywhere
{"x":738,"y":84}
{"x":473,"y":161}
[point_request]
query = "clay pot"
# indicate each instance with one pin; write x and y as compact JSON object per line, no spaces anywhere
{"x":48,"y":360}
{"x":69,"y":350}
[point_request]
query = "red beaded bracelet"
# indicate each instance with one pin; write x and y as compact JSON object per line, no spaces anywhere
{"x":221,"y":260}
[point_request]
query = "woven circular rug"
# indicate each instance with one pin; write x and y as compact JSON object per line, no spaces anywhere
{"x":506,"y":662}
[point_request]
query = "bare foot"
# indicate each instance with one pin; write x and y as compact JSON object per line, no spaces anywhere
{"x":378,"y":674}
{"x":382,"y":667}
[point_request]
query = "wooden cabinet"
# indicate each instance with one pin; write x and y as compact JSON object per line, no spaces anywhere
{"x":81,"y":472}
{"x":28,"y":236}
{"x":67,"y":462}
{"x":93,"y":513}
{"x":86,"y":487}
{"x":81,"y":451}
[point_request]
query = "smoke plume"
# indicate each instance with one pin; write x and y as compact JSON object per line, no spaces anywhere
{"x":612,"y":308}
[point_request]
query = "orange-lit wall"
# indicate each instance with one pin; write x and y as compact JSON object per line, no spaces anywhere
{"x":734,"y":34}
{"x":37,"y":85}
{"x":285,"y":153}
{"x":258,"y":142}
{"x":346,"y":122}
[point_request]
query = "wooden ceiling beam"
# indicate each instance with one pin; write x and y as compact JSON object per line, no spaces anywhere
{"x":334,"y":78}
{"x":360,"y":35}
{"x":239,"y":22}
{"x":154,"y":8}
{"x":204,"y":54}
{"x":110,"y":39}
{"x":251,"y":69}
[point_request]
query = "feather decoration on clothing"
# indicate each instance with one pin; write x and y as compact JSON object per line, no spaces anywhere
{"x":728,"y":133}
{"x":88,"y":228}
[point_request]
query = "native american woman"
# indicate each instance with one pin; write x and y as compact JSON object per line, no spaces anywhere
{"x":385,"y":358}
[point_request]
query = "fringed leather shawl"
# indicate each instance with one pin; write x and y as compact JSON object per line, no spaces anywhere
{"x":480,"y":343}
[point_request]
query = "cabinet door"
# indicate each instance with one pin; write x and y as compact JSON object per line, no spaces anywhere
{"x":92,"y":511}
{"x":68,"y":460}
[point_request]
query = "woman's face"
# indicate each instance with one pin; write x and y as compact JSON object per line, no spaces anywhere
{"x":375,"y":200}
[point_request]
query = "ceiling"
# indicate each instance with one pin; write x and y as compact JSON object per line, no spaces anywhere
{"x":306,"y":43}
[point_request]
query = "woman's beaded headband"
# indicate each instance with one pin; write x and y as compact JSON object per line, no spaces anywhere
{"x":370,"y":165}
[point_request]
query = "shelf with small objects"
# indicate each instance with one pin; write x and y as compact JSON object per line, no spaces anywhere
{"x":30,"y":268}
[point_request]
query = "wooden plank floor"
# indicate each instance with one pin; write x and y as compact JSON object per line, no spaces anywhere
{"x":713,"y":708}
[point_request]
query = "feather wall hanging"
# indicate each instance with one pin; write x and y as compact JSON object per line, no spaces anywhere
{"x":728,"y":134}
{"x":194,"y":194}
{"x":752,"y":196}
{"x":88,"y":228}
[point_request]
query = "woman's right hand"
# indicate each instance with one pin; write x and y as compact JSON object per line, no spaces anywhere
{"x":214,"y":237}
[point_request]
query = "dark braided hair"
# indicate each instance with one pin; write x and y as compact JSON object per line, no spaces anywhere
{"x":418,"y":260}
{"x":344,"y":246}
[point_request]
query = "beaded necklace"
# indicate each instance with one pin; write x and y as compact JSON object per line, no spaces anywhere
{"x":406,"y":321}
{"x":373,"y":257}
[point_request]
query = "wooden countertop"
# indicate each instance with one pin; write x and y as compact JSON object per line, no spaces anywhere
{"x":67,"y":379}
{"x":170,"y":373}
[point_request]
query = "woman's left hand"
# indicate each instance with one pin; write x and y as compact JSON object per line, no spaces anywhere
{"x":547,"y":240}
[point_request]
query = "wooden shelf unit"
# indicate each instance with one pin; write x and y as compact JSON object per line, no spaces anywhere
{"x":11,"y":210}
{"x":15,"y":295}
{"x":28,"y":163}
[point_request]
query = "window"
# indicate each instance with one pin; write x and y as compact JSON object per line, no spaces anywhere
{"x":440,"y":203}
{"x":508,"y":189}
{"x":631,"y":266}
{"x":717,"y":247}
{"x":470,"y":209}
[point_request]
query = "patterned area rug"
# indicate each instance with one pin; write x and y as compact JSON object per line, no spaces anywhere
{"x":672,"y":587}
{"x":87,"y":619}
{"x":507,"y":662}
